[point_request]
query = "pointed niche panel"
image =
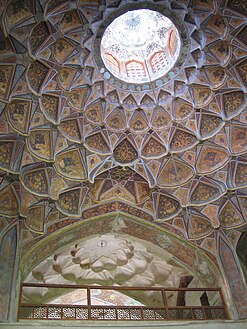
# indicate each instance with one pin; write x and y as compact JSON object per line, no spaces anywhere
{"x":166,"y":206}
{"x":209,"y":125}
{"x":9,"y":199}
{"x":70,"y":164}
{"x":205,"y":190}
{"x":229,"y":214}
{"x":198,"y":226}
{"x":18,"y":113}
{"x":138,"y":123}
{"x":153,"y":147}
{"x":116,"y":120}
{"x":40,"y":143}
{"x":125,"y":152}
{"x":36,"y":179}
{"x":95,"y":112}
{"x":182,"y":110}
{"x":211,"y":157}
{"x":11,"y":151}
{"x":71,"y":128}
{"x":36,"y":216}
{"x":98,"y":142}
{"x":182,"y":140}
{"x":160,"y":119}
{"x":70,"y":201}
{"x":174,"y":172}
{"x":238,"y":139}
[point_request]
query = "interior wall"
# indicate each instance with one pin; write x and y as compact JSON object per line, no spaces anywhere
{"x":59,"y":162}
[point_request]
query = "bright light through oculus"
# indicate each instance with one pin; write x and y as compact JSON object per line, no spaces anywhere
{"x":140,"y":46}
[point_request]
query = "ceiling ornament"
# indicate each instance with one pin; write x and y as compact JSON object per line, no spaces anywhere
{"x":108,"y":259}
{"x":77,"y":141}
{"x":10,"y":199}
{"x":125,"y":152}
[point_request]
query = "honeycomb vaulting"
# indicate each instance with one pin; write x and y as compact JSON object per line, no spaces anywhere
{"x":76,"y":142}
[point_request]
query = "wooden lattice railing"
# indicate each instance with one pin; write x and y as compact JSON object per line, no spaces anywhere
{"x":121,"y":312}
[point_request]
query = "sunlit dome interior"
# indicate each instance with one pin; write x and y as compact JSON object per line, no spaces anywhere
{"x":140,"y":46}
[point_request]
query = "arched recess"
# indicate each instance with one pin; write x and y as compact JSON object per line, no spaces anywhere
{"x":9,"y":261}
{"x":157,"y":241}
{"x":242,"y":251}
{"x":231,"y":268}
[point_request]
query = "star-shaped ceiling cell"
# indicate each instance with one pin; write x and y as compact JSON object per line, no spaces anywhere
{"x":75,"y":137}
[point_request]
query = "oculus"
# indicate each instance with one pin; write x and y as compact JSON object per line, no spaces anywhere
{"x":140,"y":46}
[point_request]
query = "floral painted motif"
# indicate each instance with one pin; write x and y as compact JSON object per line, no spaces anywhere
{"x":125,"y":152}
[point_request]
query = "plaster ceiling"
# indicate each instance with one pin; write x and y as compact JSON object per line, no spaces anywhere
{"x":109,"y":260}
{"x":77,"y":142}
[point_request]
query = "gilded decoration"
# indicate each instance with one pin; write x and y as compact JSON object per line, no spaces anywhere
{"x":198,"y":226}
{"x":9,"y":201}
{"x":242,"y":71}
{"x":116,"y":121}
{"x":182,"y":110}
{"x":229,"y":215}
{"x":233,"y":102}
{"x":61,"y":51}
{"x":211,"y":158}
{"x":18,"y":11}
{"x":174,"y":173}
{"x":70,"y":201}
{"x":36,"y":74}
{"x":36,"y":181}
{"x":125,"y":152}
{"x":18,"y":112}
{"x":50,"y":106}
{"x":98,"y":143}
{"x":138,"y":122}
{"x":241,"y":174}
{"x":40,"y":142}
{"x":77,"y":142}
{"x":153,"y":148}
{"x":6,"y":76}
{"x":71,"y":129}
{"x":161,"y":119}
{"x":204,"y":192}
{"x":167,"y":206}
{"x":182,"y":140}
{"x":238,"y":139}
{"x":70,"y":164}
{"x":36,"y":218}
{"x":209,"y":125}
{"x":6,"y":151}
{"x":38,"y":36}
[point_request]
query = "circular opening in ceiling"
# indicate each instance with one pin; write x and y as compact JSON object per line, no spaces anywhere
{"x":140,"y":46}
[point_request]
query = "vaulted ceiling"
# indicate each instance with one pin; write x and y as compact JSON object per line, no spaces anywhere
{"x":76,"y":142}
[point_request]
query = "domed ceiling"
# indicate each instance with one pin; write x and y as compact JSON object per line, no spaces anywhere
{"x":77,"y":142}
{"x":108,"y":260}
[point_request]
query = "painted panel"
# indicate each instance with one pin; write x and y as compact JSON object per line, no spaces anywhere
{"x":7,"y":263}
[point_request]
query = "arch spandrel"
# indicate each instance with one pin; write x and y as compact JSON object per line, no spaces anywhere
{"x":121,"y":224}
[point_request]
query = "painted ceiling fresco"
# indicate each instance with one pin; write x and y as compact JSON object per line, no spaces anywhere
{"x":76,"y":142}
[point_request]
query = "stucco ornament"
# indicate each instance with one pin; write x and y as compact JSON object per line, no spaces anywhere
{"x":105,"y":260}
